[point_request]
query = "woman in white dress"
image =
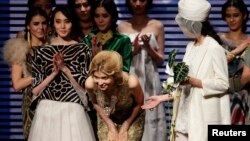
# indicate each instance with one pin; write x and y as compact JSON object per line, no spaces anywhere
{"x":147,"y":37}
{"x":59,"y":72}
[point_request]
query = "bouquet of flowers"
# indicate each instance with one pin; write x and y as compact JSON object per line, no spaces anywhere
{"x":177,"y":73}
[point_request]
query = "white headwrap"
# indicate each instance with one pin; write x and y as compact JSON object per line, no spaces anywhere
{"x":191,"y":14}
{"x":194,"y":10}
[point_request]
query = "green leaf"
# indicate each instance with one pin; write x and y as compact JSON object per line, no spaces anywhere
{"x":180,"y":72}
{"x":171,"y":58}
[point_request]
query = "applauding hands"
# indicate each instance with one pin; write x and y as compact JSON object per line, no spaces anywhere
{"x":141,"y":40}
{"x":96,"y":46}
{"x":58,"y":63}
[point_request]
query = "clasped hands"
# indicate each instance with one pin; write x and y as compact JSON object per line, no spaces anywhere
{"x":118,"y":135}
{"x":58,"y":63}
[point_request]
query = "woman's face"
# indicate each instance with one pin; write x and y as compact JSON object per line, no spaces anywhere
{"x":82,"y":9}
{"x":138,"y":6}
{"x":38,"y":27}
{"x":103,"y":81}
{"x":62,"y":25}
{"x":102,"y":19}
{"x":45,"y":5}
{"x":234,"y":18}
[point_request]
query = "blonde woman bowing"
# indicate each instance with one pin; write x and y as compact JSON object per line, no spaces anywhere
{"x":117,"y":98}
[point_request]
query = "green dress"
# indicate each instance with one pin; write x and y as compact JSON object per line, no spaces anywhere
{"x":120,"y":43}
{"x":122,"y":109}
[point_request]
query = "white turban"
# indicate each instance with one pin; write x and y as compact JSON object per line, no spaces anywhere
{"x":191,"y":15}
{"x":194,"y":10}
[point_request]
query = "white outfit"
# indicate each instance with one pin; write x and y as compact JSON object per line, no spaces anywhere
{"x":61,"y":121}
{"x":144,"y":67}
{"x":210,"y":104}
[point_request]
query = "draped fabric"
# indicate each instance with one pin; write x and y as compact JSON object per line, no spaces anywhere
{"x":61,"y":121}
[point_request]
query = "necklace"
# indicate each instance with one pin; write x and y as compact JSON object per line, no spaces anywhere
{"x":113,"y":99}
{"x":104,"y":37}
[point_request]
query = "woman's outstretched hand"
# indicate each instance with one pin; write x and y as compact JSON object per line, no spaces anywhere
{"x":151,"y":102}
{"x":155,"y":100}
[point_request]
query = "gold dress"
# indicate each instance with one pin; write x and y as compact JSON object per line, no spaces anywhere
{"x":119,"y":108}
{"x":16,"y":50}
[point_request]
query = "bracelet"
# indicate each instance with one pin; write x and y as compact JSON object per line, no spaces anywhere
{"x":230,"y":56}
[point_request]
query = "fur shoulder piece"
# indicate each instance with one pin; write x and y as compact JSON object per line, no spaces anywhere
{"x":15,"y":51}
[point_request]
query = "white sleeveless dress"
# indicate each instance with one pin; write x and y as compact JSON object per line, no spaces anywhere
{"x":144,"y":67}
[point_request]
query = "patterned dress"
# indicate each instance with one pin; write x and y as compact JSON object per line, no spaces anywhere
{"x":61,"y":113}
{"x":27,"y":112}
{"x":239,"y":95}
{"x":76,"y":56}
{"x":16,"y":50}
{"x":122,"y":109}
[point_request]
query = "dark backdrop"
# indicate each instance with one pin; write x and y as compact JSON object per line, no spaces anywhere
{"x":12,"y":14}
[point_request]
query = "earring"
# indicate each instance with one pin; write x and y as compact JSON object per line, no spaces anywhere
{"x":28,"y":38}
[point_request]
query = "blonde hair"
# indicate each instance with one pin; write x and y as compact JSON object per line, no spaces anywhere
{"x":108,"y":62}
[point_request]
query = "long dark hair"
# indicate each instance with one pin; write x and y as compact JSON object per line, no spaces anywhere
{"x":110,"y":7}
{"x":30,"y":14}
{"x":69,"y":15}
{"x":207,"y":29}
{"x":239,"y":4}
{"x":71,"y":5}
